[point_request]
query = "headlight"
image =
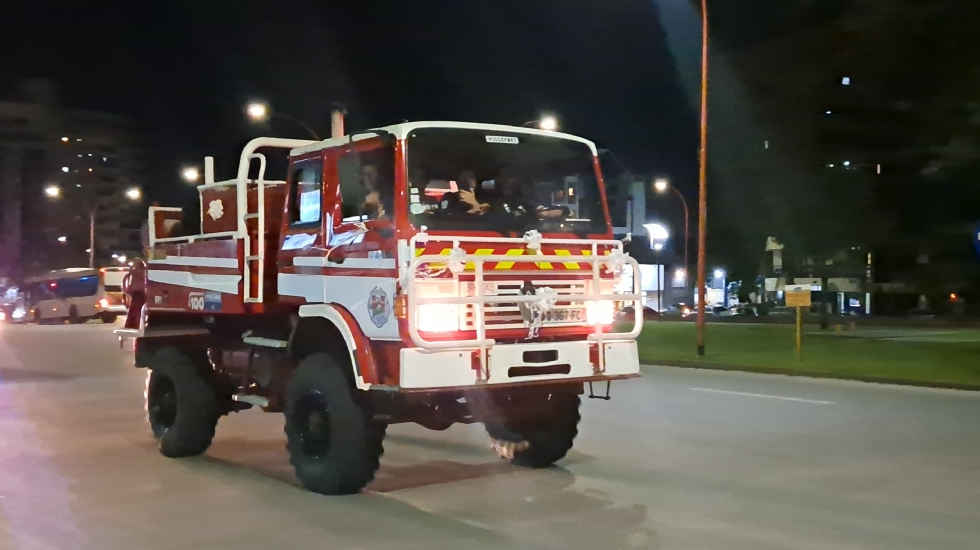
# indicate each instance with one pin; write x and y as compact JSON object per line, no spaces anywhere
{"x":438,"y":317}
{"x":104,"y":302}
{"x":18,"y":313}
{"x":599,"y":312}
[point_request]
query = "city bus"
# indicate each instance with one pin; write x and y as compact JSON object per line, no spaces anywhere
{"x":75,"y":294}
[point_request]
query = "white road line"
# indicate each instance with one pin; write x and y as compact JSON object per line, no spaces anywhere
{"x":766,"y":396}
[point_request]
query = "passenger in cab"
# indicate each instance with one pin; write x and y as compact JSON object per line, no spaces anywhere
{"x":377,"y":194}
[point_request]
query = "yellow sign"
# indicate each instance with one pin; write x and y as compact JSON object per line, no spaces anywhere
{"x":797,"y":295}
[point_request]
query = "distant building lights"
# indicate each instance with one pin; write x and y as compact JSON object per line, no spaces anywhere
{"x":845,"y":81}
{"x":830,"y":165}
{"x":828,"y":112}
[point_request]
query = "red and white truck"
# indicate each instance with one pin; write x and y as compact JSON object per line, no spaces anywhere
{"x":429,"y":272}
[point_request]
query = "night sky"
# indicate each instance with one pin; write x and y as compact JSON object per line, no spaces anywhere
{"x":621,"y":72}
{"x":184,"y":70}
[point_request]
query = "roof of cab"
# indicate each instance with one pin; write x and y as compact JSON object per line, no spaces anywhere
{"x":400,"y":131}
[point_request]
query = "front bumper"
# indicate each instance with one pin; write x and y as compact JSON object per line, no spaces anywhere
{"x":533,"y":362}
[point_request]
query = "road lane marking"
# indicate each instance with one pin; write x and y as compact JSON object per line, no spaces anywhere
{"x":766,"y":396}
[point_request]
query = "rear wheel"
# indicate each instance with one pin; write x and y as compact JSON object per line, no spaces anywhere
{"x":542,"y":423}
{"x":109,"y":318}
{"x":333,"y":443}
{"x":73,"y":317}
{"x":181,"y":405}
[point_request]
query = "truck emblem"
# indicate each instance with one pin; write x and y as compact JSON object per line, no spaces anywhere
{"x":216,"y":209}
{"x":378,"y":307}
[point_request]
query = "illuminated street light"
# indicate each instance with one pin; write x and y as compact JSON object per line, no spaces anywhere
{"x":546,"y":122}
{"x":257,"y":111}
{"x":133,"y":193}
{"x":549,"y":123}
{"x":62,"y":239}
{"x":660,"y":185}
{"x":65,"y":169}
{"x":658,"y":232}
{"x":719,"y":273}
{"x":190,"y":173}
{"x":52,"y":191}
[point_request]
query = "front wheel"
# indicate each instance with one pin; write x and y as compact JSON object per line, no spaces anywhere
{"x":540,"y":424}
{"x":333,"y":443}
{"x":181,"y":405}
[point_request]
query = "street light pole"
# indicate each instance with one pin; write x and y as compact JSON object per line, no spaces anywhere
{"x":259,"y":111}
{"x":91,"y":238}
{"x":305,"y":126}
{"x":660,"y":185}
{"x":702,"y":176}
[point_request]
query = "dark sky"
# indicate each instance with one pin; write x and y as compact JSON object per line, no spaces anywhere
{"x":186,"y":69}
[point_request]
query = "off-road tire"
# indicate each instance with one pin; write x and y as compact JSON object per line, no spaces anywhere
{"x":550,"y":430}
{"x":181,"y":405}
{"x":333,"y":443}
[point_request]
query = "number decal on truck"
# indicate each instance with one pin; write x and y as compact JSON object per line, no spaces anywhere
{"x":195,"y":301}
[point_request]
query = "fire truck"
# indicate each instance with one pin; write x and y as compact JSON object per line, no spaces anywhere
{"x":430,"y":272}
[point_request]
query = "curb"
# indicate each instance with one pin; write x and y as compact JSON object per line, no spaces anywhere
{"x":812,"y":374}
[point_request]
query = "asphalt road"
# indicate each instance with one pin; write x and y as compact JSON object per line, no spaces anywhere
{"x":679,"y":459}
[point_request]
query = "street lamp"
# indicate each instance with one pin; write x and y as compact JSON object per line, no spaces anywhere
{"x":190,"y":173}
{"x":54,"y":192}
{"x":661,"y":185}
{"x":547,"y":122}
{"x":658,"y":235}
{"x":720,"y":274}
{"x":259,"y":111}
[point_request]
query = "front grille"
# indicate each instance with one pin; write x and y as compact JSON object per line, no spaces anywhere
{"x":507,"y":315}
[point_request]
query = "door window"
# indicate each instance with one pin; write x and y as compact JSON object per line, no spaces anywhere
{"x":307,"y":177}
{"x":367,"y":183}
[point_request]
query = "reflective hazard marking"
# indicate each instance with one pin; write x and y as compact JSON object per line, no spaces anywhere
{"x":511,"y":252}
{"x":568,"y":265}
{"x":470,"y":266}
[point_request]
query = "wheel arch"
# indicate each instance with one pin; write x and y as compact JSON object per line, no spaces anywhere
{"x":324,"y":327}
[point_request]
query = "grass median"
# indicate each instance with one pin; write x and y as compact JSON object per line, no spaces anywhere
{"x":948,"y":358}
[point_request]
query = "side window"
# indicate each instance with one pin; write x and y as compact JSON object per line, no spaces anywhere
{"x":367,"y":180}
{"x":307,"y":177}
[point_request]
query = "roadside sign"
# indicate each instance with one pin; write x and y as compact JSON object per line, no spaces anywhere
{"x":797,"y":295}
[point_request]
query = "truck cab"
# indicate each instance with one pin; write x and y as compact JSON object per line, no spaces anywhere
{"x":431,"y":272}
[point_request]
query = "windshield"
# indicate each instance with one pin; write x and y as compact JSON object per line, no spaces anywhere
{"x":502,"y":181}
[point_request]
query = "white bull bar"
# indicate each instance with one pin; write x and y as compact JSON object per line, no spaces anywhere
{"x":479,"y":300}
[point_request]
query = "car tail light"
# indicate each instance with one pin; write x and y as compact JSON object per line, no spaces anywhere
{"x":104,"y":302}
